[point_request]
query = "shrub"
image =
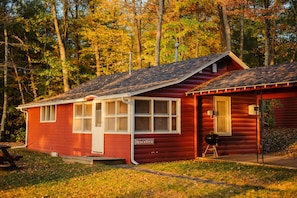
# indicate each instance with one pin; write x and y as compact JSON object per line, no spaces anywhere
{"x":21,"y":135}
{"x":279,"y":140}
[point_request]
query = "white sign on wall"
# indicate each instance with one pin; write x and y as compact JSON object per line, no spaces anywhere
{"x":144,"y":141}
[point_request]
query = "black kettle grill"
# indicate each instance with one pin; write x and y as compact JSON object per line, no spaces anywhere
{"x":211,"y":140}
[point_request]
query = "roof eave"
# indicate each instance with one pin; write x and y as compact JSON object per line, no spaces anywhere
{"x":244,"y":88}
{"x":238,"y":60}
{"x":83,"y":99}
{"x":55,"y":102}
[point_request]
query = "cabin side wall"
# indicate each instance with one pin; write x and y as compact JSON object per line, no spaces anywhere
{"x":57,"y":136}
{"x":244,"y":126}
{"x":285,"y":114}
{"x":118,"y":145}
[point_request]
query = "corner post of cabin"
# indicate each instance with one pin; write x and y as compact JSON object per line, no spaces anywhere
{"x":195,"y":125}
{"x":259,"y":123}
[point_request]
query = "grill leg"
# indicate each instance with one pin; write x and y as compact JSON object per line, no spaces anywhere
{"x":204,"y":154}
{"x":214,"y":150}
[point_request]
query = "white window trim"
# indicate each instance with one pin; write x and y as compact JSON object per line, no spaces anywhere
{"x":83,"y":117}
{"x":229,"y":118}
{"x":42,"y":108}
{"x":104,"y":116}
{"x":152,"y":115}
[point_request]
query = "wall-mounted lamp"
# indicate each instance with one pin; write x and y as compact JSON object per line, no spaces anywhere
{"x":253,"y":109}
{"x":211,"y":113}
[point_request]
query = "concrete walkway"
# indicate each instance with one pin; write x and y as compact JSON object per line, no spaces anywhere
{"x":267,"y":160}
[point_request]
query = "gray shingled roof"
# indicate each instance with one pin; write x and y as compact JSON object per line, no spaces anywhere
{"x":140,"y":81}
{"x":285,"y":74}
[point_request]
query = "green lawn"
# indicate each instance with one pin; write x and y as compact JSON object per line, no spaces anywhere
{"x":43,"y":176}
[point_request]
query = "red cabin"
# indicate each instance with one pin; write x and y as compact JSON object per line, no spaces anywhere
{"x":160,"y":113}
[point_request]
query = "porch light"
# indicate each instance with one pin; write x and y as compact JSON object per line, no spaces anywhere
{"x":253,"y":109}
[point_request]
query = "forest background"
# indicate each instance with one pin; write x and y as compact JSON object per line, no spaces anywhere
{"x":50,"y":46}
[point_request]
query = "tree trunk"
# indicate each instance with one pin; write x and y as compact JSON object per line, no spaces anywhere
{"x":137,"y":33}
{"x":273,"y":33}
{"x":267,"y":35}
{"x":66,"y":23}
{"x":19,"y":81}
{"x":241,"y":35}
{"x":226,"y":31}
{"x":33,"y":86}
{"x":267,"y":42}
{"x":4,"y":110}
{"x":76,"y":39}
{"x":61,"y":49}
{"x":97,"y":57}
{"x":159,"y":32}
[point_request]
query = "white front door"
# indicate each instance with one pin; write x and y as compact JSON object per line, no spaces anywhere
{"x":97,"y":129}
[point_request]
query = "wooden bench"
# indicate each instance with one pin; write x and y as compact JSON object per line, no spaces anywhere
{"x":7,"y":160}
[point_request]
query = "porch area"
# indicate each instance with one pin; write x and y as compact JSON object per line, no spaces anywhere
{"x":265,"y":160}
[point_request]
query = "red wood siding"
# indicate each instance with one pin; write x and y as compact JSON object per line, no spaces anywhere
{"x":170,"y":147}
{"x":57,"y":136}
{"x":243,"y":139}
{"x":118,"y":145}
{"x":286,"y":114}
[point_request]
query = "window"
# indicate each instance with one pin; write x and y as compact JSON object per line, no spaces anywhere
{"x":48,"y":113}
{"x":156,"y":115}
{"x":222,"y":121}
{"x":82,"y":121}
{"x":98,"y":115}
{"x":116,"y":116}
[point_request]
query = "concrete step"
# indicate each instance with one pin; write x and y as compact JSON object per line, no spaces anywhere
{"x":93,"y":160}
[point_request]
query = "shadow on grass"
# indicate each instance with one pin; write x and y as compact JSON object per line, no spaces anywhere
{"x":211,"y":179}
{"x":209,"y":193}
{"x":216,"y":188}
{"x":230,"y":174}
{"x":37,"y":168}
{"x":197,"y":187}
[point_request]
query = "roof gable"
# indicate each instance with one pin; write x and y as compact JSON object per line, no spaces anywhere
{"x":254,"y":78}
{"x":139,"y":81}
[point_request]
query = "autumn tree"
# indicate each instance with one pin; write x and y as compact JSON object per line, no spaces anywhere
{"x":106,"y":36}
{"x":135,"y":19}
{"x":194,"y":26}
